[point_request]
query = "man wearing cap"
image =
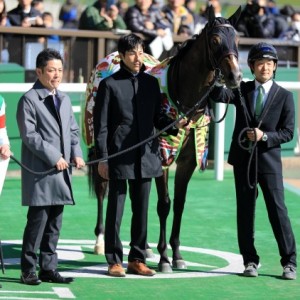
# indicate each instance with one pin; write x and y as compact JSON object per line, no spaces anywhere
{"x":265,"y":117}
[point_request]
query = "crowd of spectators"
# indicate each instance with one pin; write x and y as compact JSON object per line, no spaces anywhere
{"x":259,"y":18}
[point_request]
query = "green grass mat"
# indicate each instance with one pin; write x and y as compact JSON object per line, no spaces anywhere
{"x":208,"y":240}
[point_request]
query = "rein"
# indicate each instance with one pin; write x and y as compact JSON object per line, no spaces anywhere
{"x":52,"y":170}
{"x":190,"y":112}
{"x":252,"y":148}
{"x":213,"y":65}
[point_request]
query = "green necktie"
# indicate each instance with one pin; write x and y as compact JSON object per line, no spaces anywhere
{"x":259,"y":102}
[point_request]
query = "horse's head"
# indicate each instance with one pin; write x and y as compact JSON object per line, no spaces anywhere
{"x":222,"y":47}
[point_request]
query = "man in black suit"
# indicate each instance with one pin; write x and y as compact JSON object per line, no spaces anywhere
{"x":272,"y":124}
{"x":127,"y":111}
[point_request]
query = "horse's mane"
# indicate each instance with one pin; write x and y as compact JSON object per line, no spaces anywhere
{"x":186,"y":45}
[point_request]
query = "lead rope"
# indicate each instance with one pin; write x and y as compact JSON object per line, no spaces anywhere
{"x":217,"y":77}
{"x":251,"y":146}
{"x":195,"y":107}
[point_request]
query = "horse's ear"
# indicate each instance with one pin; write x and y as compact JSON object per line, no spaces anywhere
{"x":211,"y":15}
{"x":235,"y":17}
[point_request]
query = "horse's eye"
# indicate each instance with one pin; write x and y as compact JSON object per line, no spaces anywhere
{"x":216,"y":41}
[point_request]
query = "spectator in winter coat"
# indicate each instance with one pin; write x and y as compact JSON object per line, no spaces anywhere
{"x":99,"y":16}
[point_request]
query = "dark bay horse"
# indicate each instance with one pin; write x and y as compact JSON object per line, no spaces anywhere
{"x":185,"y":80}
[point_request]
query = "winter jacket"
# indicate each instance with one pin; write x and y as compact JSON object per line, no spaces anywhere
{"x":47,"y":135}
{"x":126,"y":112}
{"x":135,"y":20}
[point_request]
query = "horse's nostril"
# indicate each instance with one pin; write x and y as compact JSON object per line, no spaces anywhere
{"x":233,"y":76}
{"x":240,"y":77}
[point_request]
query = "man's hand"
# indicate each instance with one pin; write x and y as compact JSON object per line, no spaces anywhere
{"x":258,"y":134}
{"x":62,"y":165}
{"x":79,"y":162}
{"x":104,"y":14}
{"x":113,"y":12}
{"x":183,"y":124}
{"x":103,"y":170}
{"x":5,"y":152}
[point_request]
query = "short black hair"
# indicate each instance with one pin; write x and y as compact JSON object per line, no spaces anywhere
{"x":46,"y":55}
{"x":129,"y":42}
{"x":36,"y":2}
{"x":47,"y":14}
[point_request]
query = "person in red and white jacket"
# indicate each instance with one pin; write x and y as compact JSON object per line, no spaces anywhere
{"x":4,"y":141}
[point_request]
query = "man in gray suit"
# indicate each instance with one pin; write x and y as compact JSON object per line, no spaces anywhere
{"x":50,"y":138}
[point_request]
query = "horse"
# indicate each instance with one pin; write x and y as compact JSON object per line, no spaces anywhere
{"x":185,"y":80}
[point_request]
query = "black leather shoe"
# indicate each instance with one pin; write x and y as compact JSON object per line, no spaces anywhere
{"x":53,"y":276}
{"x":30,"y":278}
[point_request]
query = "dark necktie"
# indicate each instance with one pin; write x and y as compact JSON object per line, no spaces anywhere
{"x":56,"y":102}
{"x":259,"y":102}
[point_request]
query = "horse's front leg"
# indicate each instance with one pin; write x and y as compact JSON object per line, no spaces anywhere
{"x":163,"y":209}
{"x":186,"y":165}
{"x":100,"y":188}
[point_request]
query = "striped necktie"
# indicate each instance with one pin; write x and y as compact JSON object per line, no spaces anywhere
{"x":259,"y":101}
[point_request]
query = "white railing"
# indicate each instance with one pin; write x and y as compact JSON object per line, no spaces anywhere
{"x":219,"y":128}
{"x":24,"y":87}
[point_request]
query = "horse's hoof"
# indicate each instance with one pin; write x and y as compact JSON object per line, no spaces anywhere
{"x":165,"y":268}
{"x":149,"y":253}
{"x":179,"y":264}
{"x":99,"y":249}
{"x":99,"y":245}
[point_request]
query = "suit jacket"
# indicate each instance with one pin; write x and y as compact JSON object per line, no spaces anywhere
{"x":277,"y":120}
{"x":46,"y":135}
{"x":126,"y":112}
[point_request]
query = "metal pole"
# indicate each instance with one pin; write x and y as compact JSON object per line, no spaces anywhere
{"x":297,"y":148}
{"x":219,"y":142}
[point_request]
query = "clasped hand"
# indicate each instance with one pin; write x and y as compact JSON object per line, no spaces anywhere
{"x":183,"y":124}
{"x":254,"y":133}
{"x":62,"y":164}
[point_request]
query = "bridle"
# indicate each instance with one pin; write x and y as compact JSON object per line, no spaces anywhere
{"x":196,"y":109}
{"x":214,"y":62}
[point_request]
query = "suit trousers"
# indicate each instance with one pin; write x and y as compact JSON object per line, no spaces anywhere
{"x":271,"y":185}
{"x":41,"y":232}
{"x":139,"y":191}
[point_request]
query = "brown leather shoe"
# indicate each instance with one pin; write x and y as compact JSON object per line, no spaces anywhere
{"x":139,"y":268}
{"x":116,"y":270}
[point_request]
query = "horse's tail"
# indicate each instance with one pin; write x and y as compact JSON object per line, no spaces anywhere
{"x":91,"y":171}
{"x":97,"y":185}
